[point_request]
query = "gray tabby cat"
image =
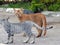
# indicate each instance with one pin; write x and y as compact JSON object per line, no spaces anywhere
{"x":26,"y":26}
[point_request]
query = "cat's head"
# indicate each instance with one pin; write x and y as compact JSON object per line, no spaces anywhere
{"x":18,"y":11}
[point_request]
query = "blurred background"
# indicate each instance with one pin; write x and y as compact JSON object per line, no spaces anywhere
{"x":34,"y":5}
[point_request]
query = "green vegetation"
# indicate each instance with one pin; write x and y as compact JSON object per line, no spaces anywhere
{"x":19,"y":5}
{"x":52,"y":5}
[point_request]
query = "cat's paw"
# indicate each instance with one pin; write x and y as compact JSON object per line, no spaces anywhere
{"x":32,"y":42}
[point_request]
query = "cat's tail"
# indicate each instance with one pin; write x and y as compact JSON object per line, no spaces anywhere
{"x":42,"y":28}
{"x":49,"y":27}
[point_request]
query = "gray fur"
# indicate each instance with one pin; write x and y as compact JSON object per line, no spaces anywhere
{"x":12,"y":28}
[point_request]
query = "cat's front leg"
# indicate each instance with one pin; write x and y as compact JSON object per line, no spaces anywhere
{"x":32,"y":39}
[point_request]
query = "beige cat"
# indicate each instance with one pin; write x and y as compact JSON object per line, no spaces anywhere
{"x":38,"y":18}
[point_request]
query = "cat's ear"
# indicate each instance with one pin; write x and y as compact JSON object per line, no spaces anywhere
{"x":14,"y":9}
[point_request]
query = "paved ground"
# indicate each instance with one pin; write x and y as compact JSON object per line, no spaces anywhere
{"x":52,"y":37}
